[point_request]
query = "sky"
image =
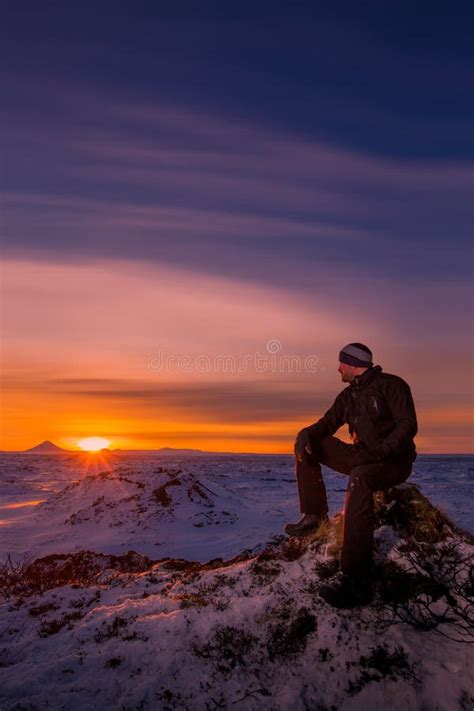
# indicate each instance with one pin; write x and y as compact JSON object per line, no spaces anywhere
{"x":203,"y":202}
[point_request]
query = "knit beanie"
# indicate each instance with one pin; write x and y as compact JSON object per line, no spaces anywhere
{"x":356,"y":354}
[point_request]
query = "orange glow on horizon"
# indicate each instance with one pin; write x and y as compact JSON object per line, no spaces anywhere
{"x":93,"y":444}
{"x":103,"y":376}
{"x":440,"y":431}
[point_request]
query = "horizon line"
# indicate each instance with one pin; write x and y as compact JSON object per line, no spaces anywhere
{"x":193,"y":449}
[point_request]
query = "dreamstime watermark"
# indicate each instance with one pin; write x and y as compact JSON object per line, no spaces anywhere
{"x":273,"y":361}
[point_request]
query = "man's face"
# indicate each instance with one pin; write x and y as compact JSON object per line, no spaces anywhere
{"x":347,"y":372}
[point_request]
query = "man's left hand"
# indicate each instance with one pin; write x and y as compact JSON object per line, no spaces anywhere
{"x":302,"y":444}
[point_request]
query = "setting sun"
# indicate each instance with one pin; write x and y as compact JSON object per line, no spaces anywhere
{"x":93,"y":444}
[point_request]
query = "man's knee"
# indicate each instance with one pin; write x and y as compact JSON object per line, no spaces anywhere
{"x":374,"y":474}
{"x":379,"y":476}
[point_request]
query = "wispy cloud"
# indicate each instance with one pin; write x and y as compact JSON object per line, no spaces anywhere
{"x":177,"y":185}
{"x":220,"y":401}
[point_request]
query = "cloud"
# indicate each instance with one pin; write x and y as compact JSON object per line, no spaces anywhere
{"x":111,"y":316}
{"x":180,"y":437}
{"x":184,"y":187}
{"x":245,"y":401}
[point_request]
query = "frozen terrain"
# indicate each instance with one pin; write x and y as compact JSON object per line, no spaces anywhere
{"x":218,"y":505}
{"x":193,"y":507}
{"x":86,"y":624}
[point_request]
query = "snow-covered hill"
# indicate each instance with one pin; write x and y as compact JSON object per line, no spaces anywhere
{"x":138,"y":508}
{"x":88,"y":630}
{"x":166,"y":584}
{"x":156,"y":506}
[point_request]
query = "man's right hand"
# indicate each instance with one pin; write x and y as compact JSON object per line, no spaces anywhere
{"x":302,"y":444}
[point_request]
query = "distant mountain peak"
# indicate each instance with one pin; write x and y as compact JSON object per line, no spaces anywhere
{"x":46,"y":447}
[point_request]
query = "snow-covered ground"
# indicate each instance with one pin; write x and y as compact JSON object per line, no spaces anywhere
{"x":222,"y":505}
{"x":195,"y":507}
{"x":106,"y":630}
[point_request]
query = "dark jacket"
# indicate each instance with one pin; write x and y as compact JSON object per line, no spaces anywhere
{"x":379,"y":409}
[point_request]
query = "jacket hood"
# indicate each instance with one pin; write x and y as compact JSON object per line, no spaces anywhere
{"x":361,"y":381}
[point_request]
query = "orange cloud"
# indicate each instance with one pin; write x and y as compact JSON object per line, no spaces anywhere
{"x":80,"y":341}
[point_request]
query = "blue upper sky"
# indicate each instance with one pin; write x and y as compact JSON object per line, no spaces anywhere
{"x":384,"y":90}
{"x":393,"y":79}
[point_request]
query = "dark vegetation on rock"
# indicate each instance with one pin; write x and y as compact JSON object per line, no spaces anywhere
{"x":25,"y":578}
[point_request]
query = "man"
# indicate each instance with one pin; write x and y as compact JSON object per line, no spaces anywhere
{"x":380,"y":412}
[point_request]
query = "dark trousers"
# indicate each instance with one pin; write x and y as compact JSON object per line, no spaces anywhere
{"x":364,"y":479}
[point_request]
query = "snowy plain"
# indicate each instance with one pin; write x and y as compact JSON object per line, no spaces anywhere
{"x":238,"y":501}
{"x":246,"y":632}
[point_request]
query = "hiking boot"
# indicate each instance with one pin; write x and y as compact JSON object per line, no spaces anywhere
{"x":347,"y":592}
{"x":306,"y":524}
